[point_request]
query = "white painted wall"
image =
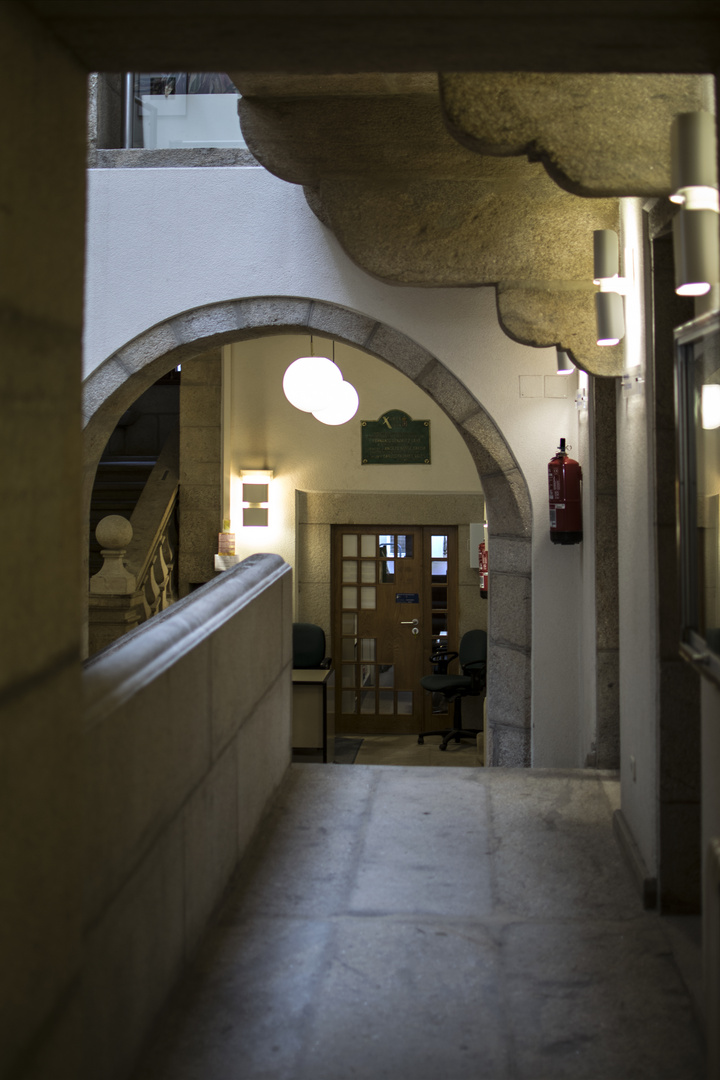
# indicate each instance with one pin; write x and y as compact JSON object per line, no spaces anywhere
{"x":267,"y":432}
{"x":165,"y":241}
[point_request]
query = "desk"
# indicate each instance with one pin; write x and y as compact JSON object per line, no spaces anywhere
{"x":310,"y":728}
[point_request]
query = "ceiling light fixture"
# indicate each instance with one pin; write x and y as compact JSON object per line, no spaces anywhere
{"x":342,"y":407}
{"x":315,"y":384}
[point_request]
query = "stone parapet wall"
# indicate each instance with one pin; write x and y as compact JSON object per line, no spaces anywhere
{"x":186,"y":739}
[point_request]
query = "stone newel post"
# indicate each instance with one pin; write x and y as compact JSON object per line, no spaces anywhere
{"x":113,"y":533}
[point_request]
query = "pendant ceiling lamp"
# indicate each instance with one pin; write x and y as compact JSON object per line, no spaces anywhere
{"x":315,"y":384}
{"x":342,"y":408}
{"x":311,"y":382}
{"x":695,"y":188}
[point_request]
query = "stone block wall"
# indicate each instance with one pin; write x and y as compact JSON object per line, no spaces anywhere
{"x":41,"y":307}
{"x":200,"y":497}
{"x":187,"y":737}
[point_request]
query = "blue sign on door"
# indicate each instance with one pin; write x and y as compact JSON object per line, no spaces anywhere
{"x":407,"y":598}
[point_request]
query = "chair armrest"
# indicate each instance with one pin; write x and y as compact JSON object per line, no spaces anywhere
{"x":477,"y":670}
{"x":327,"y":662}
{"x":475,"y":665}
{"x":441,"y":661}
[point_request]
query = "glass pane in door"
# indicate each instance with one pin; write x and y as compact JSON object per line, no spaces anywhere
{"x":350,"y":545}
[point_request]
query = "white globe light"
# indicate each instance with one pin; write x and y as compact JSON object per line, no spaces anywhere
{"x":310,"y":382}
{"x":342,"y":408}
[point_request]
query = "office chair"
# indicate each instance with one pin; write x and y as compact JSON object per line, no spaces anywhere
{"x":309,"y":646}
{"x":473,"y":661}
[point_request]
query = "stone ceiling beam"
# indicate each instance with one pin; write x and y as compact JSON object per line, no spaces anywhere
{"x":374,"y":35}
{"x":597,"y":135}
{"x":411,"y":206}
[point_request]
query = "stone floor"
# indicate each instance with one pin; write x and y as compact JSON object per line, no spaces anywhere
{"x":404,"y":750}
{"x":433,"y":924}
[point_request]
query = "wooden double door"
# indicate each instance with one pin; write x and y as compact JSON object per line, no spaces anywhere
{"x":394,"y":600}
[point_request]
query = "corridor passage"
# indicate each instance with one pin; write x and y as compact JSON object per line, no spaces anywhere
{"x":433,"y":924}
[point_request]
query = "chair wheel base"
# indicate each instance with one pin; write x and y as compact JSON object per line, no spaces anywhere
{"x":421,"y":740}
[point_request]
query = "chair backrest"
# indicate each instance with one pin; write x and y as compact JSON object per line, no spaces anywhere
{"x":308,"y":645}
{"x":473,"y":648}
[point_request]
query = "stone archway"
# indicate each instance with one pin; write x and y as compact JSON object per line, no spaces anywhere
{"x":110,"y":390}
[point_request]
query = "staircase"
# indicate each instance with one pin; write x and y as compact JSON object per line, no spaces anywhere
{"x":119,"y":482}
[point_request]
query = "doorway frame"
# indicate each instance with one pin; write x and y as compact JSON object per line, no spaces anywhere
{"x":113,"y":386}
{"x":421,"y":559}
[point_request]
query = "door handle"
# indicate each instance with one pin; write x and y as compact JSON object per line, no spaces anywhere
{"x":409,"y":622}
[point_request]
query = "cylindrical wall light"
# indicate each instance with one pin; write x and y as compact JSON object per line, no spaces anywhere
{"x":565,"y":365}
{"x":610,"y":318}
{"x":609,"y":310}
{"x":606,"y":256}
{"x":695,"y":187}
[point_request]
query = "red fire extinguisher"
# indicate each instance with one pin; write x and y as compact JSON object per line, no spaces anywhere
{"x":564,"y":487}
{"x":483,"y":564}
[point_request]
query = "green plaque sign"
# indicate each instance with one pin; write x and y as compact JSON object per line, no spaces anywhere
{"x":395,"y":439}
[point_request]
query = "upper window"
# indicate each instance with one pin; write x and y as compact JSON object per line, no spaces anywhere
{"x":181,"y":110}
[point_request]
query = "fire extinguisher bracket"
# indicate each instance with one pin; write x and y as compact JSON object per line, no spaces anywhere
{"x":565,"y":498}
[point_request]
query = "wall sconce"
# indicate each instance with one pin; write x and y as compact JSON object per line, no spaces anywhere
{"x":710,"y":406}
{"x":315,"y":384}
{"x":255,"y":495}
{"x":581,"y":397}
{"x":695,"y":188}
{"x":565,"y":365}
{"x":609,"y":312}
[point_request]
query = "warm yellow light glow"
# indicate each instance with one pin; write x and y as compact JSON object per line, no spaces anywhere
{"x":245,"y":511}
{"x":256,"y":476}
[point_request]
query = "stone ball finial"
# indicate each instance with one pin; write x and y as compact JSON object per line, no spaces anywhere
{"x":114,"y":532}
